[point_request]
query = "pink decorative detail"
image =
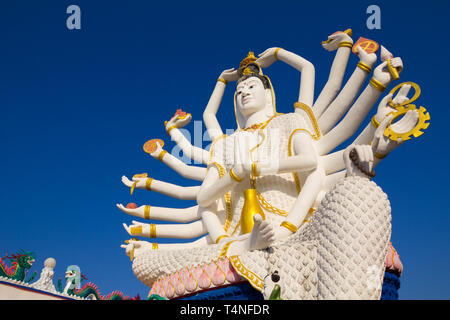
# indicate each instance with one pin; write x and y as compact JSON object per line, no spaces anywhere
{"x":196,"y":272}
{"x":218,"y":277}
{"x":178,"y":285}
{"x":159,"y":289}
{"x":187,"y":279}
{"x":168,"y":287}
{"x":204,"y":281}
{"x":393,"y":262}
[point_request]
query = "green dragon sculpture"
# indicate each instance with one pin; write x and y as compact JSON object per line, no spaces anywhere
{"x":20,"y":265}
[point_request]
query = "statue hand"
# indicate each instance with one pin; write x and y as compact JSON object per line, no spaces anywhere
{"x":133,"y":246}
{"x":242,"y":158}
{"x":365,"y":158}
{"x":336,"y":39}
{"x":382,"y":145}
{"x":138,"y":212}
{"x":267,"y":58}
{"x":382,"y":74}
{"x":364,"y":57}
{"x":179,"y":121}
{"x":131,"y":229}
{"x":140,"y":182}
{"x":384,"y":109}
{"x":229,"y":75}
{"x":154,"y":154}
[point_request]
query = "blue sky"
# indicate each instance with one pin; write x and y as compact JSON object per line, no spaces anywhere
{"x":77,"y":106}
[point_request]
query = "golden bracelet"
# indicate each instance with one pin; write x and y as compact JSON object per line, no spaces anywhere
{"x":345,"y":44}
{"x":235,"y":177}
{"x":225,"y":248}
{"x":221,"y":237}
{"x":377,"y":85}
{"x":380,"y":156}
{"x":136,"y":230}
{"x":152,"y":230}
{"x":375,"y":122}
{"x":254,"y":169}
{"x":154,"y":246}
{"x":289,"y":226}
{"x":276,"y":53}
{"x":147,"y":212}
{"x":148,"y":184}
{"x":161,"y":155}
{"x":364,"y":67}
{"x":223,"y":81}
{"x":169,"y":129}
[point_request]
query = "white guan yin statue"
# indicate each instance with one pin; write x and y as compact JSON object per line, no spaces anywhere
{"x":275,"y":195}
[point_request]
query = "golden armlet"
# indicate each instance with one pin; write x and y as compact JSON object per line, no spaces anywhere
{"x":289,"y":226}
{"x":161,"y":155}
{"x":152,"y":230}
{"x":234,"y":176}
{"x":377,"y":85}
{"x":345,"y":44}
{"x":364,"y":67}
{"x":147,"y":212}
{"x":375,"y":122}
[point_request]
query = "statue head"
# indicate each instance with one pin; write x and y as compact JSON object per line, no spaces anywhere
{"x":253,"y":93}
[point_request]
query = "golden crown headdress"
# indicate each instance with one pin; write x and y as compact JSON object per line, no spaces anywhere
{"x":249,"y":66}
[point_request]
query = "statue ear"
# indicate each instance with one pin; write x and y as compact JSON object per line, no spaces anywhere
{"x":269,"y":103}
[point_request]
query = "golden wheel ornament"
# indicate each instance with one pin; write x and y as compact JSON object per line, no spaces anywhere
{"x":422,"y":123}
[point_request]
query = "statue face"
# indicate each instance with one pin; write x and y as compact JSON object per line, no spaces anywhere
{"x":250,"y":96}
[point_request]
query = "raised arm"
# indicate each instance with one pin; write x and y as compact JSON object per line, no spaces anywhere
{"x":343,"y":43}
{"x":306,"y":92}
{"x":352,"y":120}
{"x":172,"y":128}
{"x":209,"y":115}
{"x":186,"y":171}
{"x":173,"y":231}
{"x":164,"y":214}
{"x":347,"y":95}
{"x":169,"y":189}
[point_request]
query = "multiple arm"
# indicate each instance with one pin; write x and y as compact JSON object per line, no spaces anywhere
{"x":348,"y":126}
{"x":195,"y":153}
{"x":345,"y":98}
{"x":343,"y":43}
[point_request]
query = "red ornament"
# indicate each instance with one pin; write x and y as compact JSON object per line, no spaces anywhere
{"x":131,"y":205}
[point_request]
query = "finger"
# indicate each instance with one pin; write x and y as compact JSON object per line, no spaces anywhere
{"x":361,"y":50}
{"x":126,"y":228}
{"x":135,"y":243}
{"x":137,"y":222}
{"x":333,"y":36}
{"x":385,"y":100}
{"x":268,"y":235}
{"x":257,"y":219}
{"x":263,"y":53}
{"x":403,"y":92}
{"x":123,"y":246}
{"x":126,"y":181}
